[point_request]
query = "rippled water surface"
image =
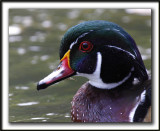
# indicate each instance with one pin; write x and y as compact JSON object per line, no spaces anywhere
{"x":34,"y":39}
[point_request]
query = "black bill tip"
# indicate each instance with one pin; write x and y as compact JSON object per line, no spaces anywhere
{"x":41,"y":86}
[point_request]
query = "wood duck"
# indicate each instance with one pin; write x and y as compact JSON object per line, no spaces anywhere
{"x":118,"y":89}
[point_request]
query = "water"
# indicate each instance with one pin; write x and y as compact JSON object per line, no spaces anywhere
{"x":34,"y":39}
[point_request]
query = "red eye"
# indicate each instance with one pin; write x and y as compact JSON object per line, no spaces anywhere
{"x":85,"y":46}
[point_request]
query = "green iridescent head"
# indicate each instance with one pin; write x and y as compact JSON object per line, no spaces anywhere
{"x":101,"y":51}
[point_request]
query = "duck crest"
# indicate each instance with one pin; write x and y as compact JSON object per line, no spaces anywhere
{"x":78,"y":30}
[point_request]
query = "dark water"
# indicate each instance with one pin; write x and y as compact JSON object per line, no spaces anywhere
{"x":34,"y":39}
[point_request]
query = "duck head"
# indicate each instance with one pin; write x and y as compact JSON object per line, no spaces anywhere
{"x":101,"y":51}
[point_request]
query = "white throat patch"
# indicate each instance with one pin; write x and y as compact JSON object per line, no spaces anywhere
{"x":95,"y":80}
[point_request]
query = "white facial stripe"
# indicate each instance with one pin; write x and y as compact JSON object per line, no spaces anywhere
{"x":95,"y":76}
{"x":122,"y":50}
{"x":125,"y":37}
{"x":103,"y":85}
{"x":73,"y":43}
{"x":95,"y":80}
{"x":141,"y":100}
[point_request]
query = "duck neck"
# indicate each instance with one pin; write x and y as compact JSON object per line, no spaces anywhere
{"x":97,"y":80}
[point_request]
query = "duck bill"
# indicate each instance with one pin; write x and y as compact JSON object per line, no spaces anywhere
{"x":62,"y":72}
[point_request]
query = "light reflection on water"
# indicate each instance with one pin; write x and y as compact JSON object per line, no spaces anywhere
{"x":67,"y":115}
{"x":35,"y":48}
{"x":15,"y":38}
{"x":44,"y":57}
{"x":27,"y":103}
{"x":22,"y":87}
{"x":46,"y":24}
{"x":38,"y":37}
{"x":73,"y":14}
{"x":26,"y":20}
{"x":34,"y":60}
{"x":51,"y":114}
{"x":139,"y":11}
{"x":11,"y":94}
{"x":62,"y":26}
{"x":14,"y":30}
{"x":37,"y":118}
{"x":21,"y":51}
{"x":126,"y":19}
{"x":145,"y":53}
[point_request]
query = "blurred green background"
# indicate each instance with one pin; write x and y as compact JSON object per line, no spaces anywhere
{"x":34,"y":40}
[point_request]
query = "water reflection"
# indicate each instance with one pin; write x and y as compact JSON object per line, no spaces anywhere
{"x":145,"y":53}
{"x":21,"y":51}
{"x":44,"y":57}
{"x":99,"y":11}
{"x":52,"y":114}
{"x":126,"y":19}
{"x":22,"y":87}
{"x":46,"y":24}
{"x":34,"y":48}
{"x":62,"y":26}
{"x":26,"y":20}
{"x":39,"y":118}
{"x":73,"y":14}
{"x":27,"y":103}
{"x":11,"y":94}
{"x":67,"y":115}
{"x":15,"y":38}
{"x":139,"y":11}
{"x":14,"y":30}
{"x":34,"y":60}
{"x":38,"y":37}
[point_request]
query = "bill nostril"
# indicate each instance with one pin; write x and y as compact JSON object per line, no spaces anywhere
{"x":58,"y":68}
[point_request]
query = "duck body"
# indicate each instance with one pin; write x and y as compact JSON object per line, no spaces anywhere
{"x":117,"y":105}
{"x":108,"y":56}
